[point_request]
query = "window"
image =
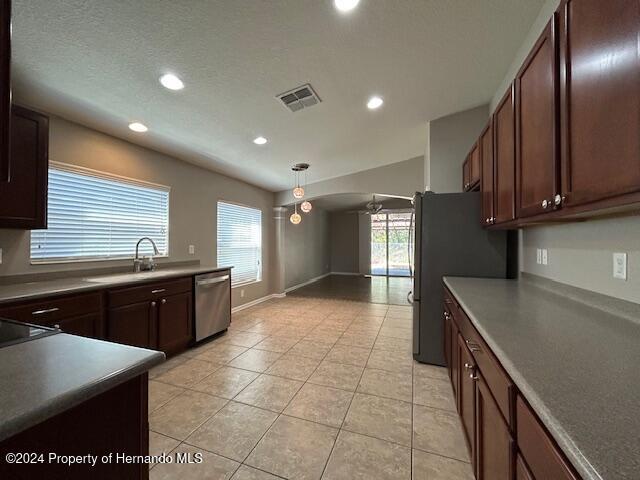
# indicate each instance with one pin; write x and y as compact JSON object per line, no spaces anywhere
{"x":94,"y":216}
{"x":240,"y":241}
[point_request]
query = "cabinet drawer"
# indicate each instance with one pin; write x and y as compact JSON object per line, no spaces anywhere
{"x":148,"y":291}
{"x":49,"y":311}
{"x":538,"y":449}
{"x":496,"y":378}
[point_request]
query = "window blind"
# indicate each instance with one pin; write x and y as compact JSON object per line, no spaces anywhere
{"x":240,"y":241}
{"x":94,"y":216}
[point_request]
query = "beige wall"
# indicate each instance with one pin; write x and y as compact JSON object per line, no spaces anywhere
{"x":306,"y":247}
{"x":194,"y":194}
{"x":345,"y":242}
{"x":398,"y":179}
{"x":450,"y":139}
{"x":579,"y":254}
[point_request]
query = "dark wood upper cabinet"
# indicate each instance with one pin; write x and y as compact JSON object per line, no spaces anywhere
{"x":23,"y":200}
{"x":5,"y":88}
{"x":474,"y":167}
{"x":487,"y":174}
{"x":504,"y":159}
{"x":494,"y":448}
{"x":536,"y":89}
{"x":600,"y":99}
{"x":466,"y":176}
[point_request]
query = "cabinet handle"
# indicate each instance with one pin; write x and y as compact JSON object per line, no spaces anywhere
{"x":159,"y":290}
{"x":163,"y":301}
{"x":545,"y":203}
{"x":468,"y":366}
{"x":474,"y":347}
{"x":46,"y":310}
{"x":57,"y":325}
{"x":473,"y":377}
{"x":558,"y":199}
{"x":153,"y":304}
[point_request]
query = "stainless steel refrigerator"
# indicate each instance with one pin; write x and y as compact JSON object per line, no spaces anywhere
{"x":449,"y":240}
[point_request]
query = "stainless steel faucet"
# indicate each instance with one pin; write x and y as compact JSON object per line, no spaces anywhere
{"x":141,"y":265}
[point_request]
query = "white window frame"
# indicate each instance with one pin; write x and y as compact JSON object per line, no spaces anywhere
{"x":252,"y":207}
{"x":113,"y":177}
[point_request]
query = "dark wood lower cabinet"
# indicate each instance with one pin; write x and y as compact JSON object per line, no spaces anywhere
{"x":114,"y":422}
{"x":506,"y":440}
{"x":174,"y":330}
{"x":131,"y":324}
{"x":466,"y":392}
{"x":494,"y":446}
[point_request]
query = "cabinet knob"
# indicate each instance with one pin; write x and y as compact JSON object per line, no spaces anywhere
{"x":153,"y":304}
{"x":473,"y":377}
{"x":57,"y":325}
{"x":558,"y":199}
{"x":163,"y":301}
{"x":545,"y":203}
{"x":468,"y":366}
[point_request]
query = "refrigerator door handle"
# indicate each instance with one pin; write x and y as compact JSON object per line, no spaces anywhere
{"x":410,"y":297}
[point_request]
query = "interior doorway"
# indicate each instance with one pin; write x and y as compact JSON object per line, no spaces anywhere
{"x":390,"y":234}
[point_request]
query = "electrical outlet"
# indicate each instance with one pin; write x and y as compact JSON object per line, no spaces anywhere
{"x":620,"y":266}
{"x":539,"y":256}
{"x":242,"y":293}
{"x":545,"y":257}
{"x":192,"y":249}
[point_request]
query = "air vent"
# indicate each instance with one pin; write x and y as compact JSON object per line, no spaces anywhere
{"x":299,"y":98}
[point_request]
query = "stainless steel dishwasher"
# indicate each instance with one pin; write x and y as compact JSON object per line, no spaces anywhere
{"x":213,"y":303}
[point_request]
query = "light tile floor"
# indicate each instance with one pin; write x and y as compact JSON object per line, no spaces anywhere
{"x":307,"y":388}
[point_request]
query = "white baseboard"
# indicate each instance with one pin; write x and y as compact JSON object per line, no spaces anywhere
{"x":348,"y":273}
{"x":257,"y":301}
{"x":314,"y":279}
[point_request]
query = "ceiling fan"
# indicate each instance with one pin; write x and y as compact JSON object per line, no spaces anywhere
{"x":370,"y":208}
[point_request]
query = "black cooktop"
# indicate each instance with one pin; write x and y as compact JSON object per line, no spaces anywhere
{"x":12,"y":332}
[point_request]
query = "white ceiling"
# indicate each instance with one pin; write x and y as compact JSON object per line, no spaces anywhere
{"x":97,"y":62}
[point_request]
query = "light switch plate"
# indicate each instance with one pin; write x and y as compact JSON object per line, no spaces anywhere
{"x":539,"y":256}
{"x":545,"y":257}
{"x":192,"y":249}
{"x":620,"y":266}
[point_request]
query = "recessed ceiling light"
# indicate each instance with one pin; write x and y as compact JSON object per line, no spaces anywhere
{"x":260,"y":140}
{"x":138,"y":127}
{"x":171,"y":82}
{"x":345,"y":5}
{"x":374,"y":102}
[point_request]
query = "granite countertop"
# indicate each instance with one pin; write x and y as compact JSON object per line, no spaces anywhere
{"x":46,"y":376}
{"x":73,"y":283}
{"x":576,"y":362}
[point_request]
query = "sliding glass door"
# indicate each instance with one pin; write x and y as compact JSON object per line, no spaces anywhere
{"x":390,"y":232}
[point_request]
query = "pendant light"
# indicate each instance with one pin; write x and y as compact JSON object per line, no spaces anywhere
{"x":295,"y":217}
{"x":298,"y":191}
{"x":306,"y":206}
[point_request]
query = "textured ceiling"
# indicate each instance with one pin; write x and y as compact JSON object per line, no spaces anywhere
{"x":97,"y":62}
{"x":357,"y":201}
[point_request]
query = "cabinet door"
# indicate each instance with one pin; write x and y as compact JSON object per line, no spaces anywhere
{"x":5,"y":87}
{"x":522,"y":471}
{"x":83,"y":325}
{"x":504,"y":157}
{"x":132,"y":324}
{"x":466,"y":392}
{"x":466,"y":177}
{"x":474,"y":166}
{"x":487,"y":177}
{"x":447,"y":340}
{"x":174,"y":331}
{"x":600,"y":99}
{"x":23,"y":200}
{"x":536,"y":127}
{"x":494,"y":446}
{"x":455,"y":360}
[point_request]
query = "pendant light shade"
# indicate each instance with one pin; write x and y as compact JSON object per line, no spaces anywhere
{"x":298,"y":192}
{"x":295,"y":218}
{"x":306,"y":206}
